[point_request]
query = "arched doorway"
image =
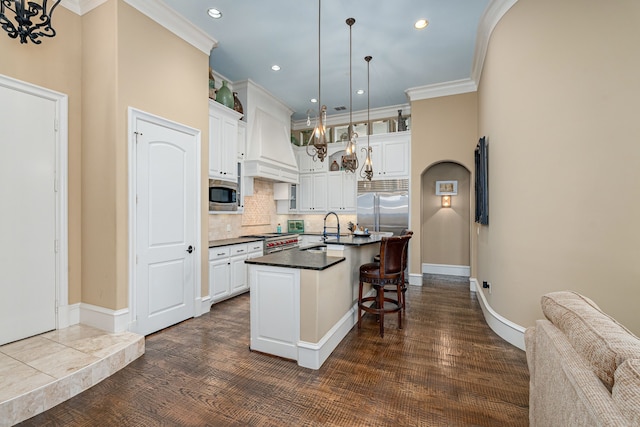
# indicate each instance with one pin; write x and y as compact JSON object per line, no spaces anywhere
{"x":445,"y":231}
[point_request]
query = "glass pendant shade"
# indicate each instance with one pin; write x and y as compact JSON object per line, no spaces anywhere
{"x":350,"y":159}
{"x":317,"y":143}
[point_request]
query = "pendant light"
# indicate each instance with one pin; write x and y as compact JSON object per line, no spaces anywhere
{"x":350,"y":160}
{"x":31,"y":19}
{"x":367,"y":168}
{"x":317,"y":143}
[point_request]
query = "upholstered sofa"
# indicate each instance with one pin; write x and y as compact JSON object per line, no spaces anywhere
{"x":584,"y":366}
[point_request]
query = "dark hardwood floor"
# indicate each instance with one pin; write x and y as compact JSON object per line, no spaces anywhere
{"x":446,"y":367}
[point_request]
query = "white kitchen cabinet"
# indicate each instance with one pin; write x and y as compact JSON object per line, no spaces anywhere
{"x":341,"y":195}
{"x":306,"y":164}
{"x":389,"y":155}
{"x":227,"y":270}
{"x":313,"y":192}
{"x":223,"y":142}
{"x":242,"y":140}
{"x":238,"y":269}
{"x":286,"y":197}
{"x":219,"y":273}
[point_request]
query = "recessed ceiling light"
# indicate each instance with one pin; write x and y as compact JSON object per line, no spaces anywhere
{"x":360,"y":91}
{"x":275,"y":67}
{"x":214,"y":13}
{"x":314,"y":100}
{"x":420,"y":24}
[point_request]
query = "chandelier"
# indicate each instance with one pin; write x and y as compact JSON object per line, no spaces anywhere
{"x":317,"y":143}
{"x":367,"y":168}
{"x":350,"y":160}
{"x":31,"y":20}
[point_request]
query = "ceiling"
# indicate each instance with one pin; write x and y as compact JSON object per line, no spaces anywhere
{"x":253,"y":35}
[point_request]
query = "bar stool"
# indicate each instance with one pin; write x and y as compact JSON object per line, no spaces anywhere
{"x":376,"y":258}
{"x":388,"y":272}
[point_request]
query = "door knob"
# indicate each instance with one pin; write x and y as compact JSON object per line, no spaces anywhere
{"x":190,"y":249}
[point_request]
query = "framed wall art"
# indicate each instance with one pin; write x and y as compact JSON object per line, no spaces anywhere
{"x":446,"y":188}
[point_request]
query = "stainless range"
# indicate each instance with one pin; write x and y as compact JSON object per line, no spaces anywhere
{"x":274,"y":242}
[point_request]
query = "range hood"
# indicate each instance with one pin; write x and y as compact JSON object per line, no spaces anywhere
{"x":269,"y":152}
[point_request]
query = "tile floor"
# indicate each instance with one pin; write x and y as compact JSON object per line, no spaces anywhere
{"x":40,"y":372}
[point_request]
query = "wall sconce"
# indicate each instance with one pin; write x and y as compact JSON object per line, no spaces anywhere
{"x":446,"y":201}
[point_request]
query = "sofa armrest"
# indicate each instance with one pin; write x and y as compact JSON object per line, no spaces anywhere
{"x":530,"y":349}
{"x":566,"y":392}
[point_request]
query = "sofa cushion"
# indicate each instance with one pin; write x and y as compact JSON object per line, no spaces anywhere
{"x":603,"y":342}
{"x":626,"y":390}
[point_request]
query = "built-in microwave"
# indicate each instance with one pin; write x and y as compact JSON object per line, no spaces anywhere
{"x":223,"y":195}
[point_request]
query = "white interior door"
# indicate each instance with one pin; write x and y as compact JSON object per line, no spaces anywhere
{"x":166,"y":224}
{"x":28,"y":215}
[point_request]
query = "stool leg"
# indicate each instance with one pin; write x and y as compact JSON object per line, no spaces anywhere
{"x":380,"y":295}
{"x":400,"y":301}
{"x":404,"y":290}
{"x":359,"y":302}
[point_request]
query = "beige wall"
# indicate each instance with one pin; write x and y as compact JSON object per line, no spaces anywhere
{"x":129,"y":60}
{"x":559,"y":100}
{"x":444,"y":235}
{"x":443,"y":129}
{"x":55,"y":64}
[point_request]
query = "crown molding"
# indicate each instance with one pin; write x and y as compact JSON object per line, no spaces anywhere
{"x":80,"y":7}
{"x":358,"y":116}
{"x":493,"y":13}
{"x":454,"y":87}
{"x":490,"y":18}
{"x":159,"y":12}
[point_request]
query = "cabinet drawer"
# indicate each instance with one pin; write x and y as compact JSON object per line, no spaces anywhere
{"x":238,"y":249}
{"x":219,"y":252}
{"x":255,"y":246}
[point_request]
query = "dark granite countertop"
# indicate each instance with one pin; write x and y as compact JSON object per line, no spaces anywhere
{"x":296,"y":258}
{"x":353,"y":240}
{"x":234,"y":241}
{"x":319,"y":233}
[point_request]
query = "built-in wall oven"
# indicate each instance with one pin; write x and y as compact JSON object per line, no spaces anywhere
{"x":275,"y":242}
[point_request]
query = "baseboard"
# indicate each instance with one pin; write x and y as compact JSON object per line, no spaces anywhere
{"x":68,"y":315}
{"x":506,"y":329}
{"x":449,"y":270}
{"x":415,"y":279}
{"x":104,"y":318}
{"x":203,"y":305}
{"x":313,"y":355}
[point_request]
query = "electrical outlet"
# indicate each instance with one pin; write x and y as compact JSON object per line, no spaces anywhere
{"x":228,"y":228}
{"x":486,"y":285}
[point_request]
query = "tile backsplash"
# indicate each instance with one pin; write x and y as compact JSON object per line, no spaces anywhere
{"x":260,"y":216}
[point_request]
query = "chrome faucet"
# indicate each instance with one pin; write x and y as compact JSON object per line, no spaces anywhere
{"x":324,"y":230}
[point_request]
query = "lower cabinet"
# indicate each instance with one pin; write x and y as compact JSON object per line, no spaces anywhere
{"x":227,"y":270}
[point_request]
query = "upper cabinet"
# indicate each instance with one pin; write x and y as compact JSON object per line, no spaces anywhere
{"x":223,"y":142}
{"x":306,"y":164}
{"x":313,"y":193}
{"x":389,"y":155}
{"x":341,"y":194}
{"x":242,"y":140}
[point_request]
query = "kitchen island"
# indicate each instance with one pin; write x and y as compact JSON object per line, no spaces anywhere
{"x":302,"y":302}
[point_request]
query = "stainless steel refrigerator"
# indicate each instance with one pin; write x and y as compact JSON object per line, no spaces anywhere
{"x":383,"y":205}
